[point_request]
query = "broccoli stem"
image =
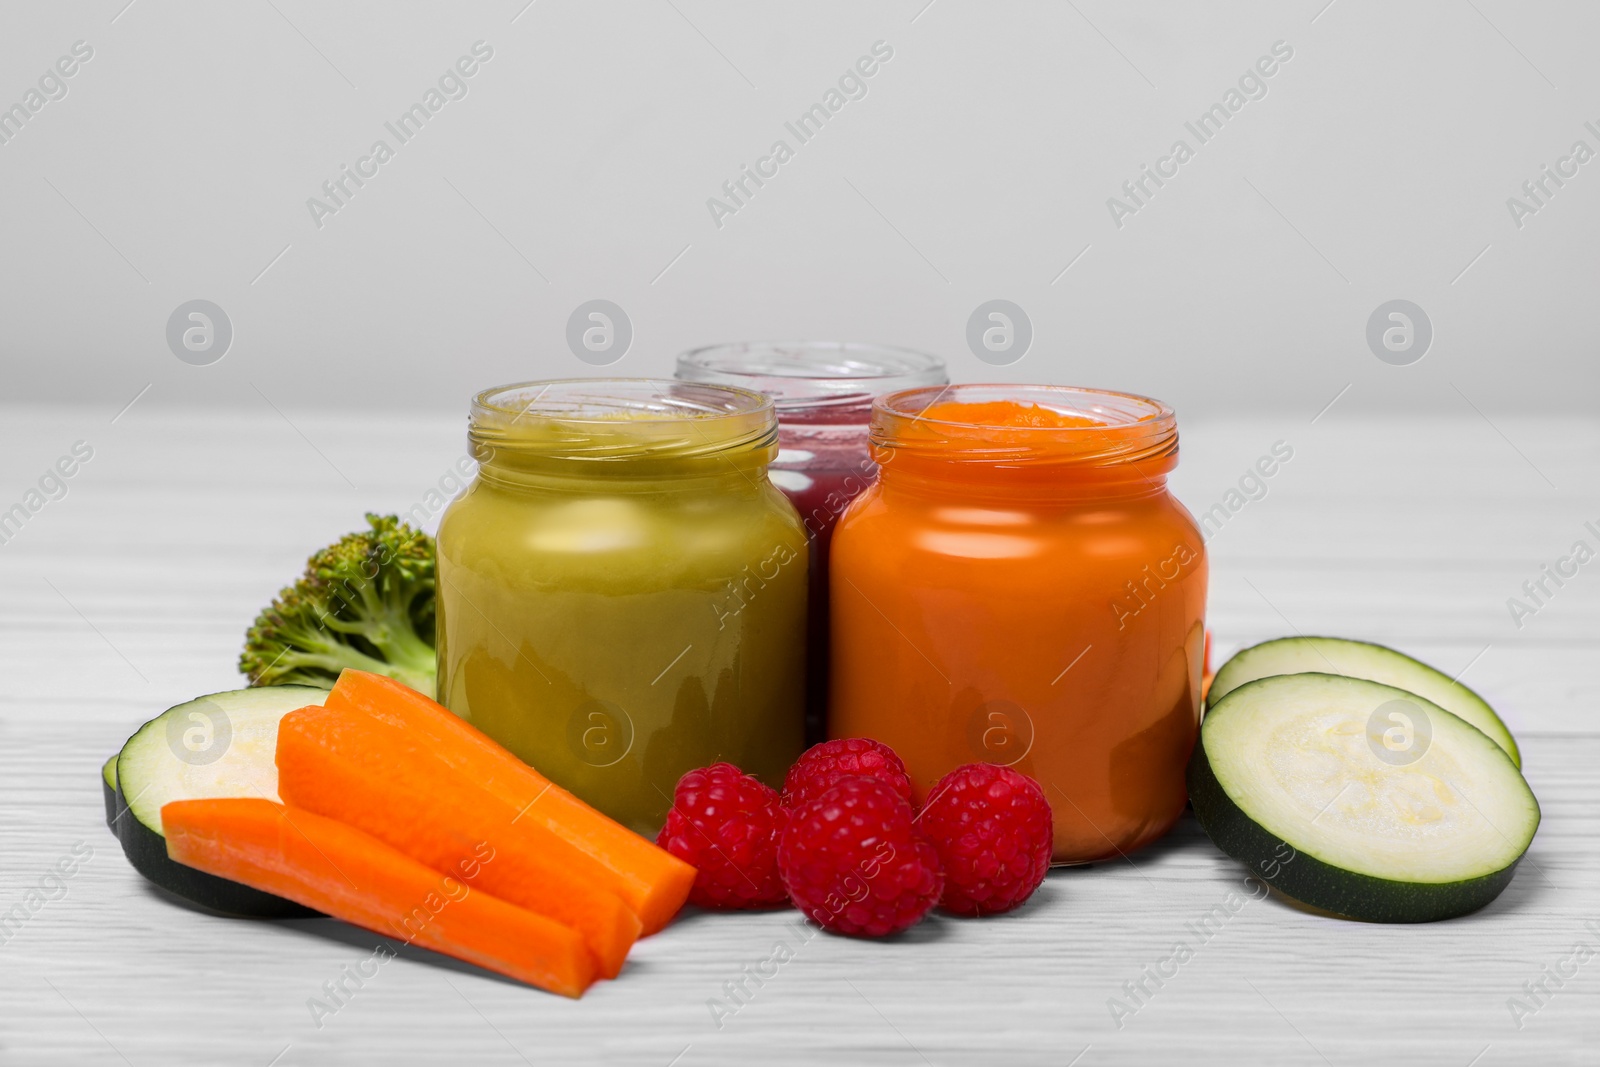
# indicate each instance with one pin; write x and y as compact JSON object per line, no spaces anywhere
{"x":414,"y":672}
{"x":387,"y":624}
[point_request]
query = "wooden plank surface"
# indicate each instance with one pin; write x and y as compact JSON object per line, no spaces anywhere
{"x":131,"y":593}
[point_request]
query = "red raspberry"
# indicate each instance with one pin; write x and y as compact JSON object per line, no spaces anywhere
{"x":726,"y":824}
{"x":854,"y":862}
{"x":826,"y":765}
{"x":993,"y":829}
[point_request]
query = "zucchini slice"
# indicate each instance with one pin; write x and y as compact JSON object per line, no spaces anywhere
{"x":222,"y":745}
{"x":1359,"y":659}
{"x":1360,"y":799}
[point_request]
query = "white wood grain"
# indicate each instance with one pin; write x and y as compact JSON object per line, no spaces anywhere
{"x":132,"y":593}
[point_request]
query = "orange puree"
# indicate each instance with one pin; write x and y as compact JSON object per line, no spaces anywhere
{"x":1020,"y":588}
{"x":1005,"y":413}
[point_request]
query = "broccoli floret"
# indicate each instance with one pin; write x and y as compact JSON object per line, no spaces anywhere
{"x":366,"y":602}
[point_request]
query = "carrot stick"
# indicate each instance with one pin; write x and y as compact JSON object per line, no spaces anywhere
{"x":652,"y":881}
{"x":341,"y":871}
{"x":386,"y":782}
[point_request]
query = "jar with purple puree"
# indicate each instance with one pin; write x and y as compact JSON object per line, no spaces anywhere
{"x":823,"y":392}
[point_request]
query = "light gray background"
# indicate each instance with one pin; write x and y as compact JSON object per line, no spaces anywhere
{"x":977,"y":167}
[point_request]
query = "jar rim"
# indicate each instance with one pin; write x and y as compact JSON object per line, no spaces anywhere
{"x":803,"y":375}
{"x":1128,"y":427}
{"x":620,"y":418}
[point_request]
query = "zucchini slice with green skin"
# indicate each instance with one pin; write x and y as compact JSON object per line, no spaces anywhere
{"x":1360,"y":659}
{"x":222,"y":745}
{"x":1360,"y":799}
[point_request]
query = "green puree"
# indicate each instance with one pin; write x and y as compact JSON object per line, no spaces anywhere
{"x":622,"y":602}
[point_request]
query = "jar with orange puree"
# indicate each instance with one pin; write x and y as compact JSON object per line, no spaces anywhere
{"x":1019,"y":587}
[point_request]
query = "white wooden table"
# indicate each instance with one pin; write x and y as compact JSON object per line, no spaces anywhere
{"x":132,"y":592}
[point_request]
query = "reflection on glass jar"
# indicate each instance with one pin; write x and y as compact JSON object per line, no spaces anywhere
{"x":1020,"y":588}
{"x":823,"y":391}
{"x":622,"y":592}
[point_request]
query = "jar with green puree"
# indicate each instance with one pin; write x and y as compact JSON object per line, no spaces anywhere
{"x":622,"y":591}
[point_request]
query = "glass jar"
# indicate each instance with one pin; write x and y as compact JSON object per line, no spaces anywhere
{"x":823,"y":391}
{"x":622,"y":592}
{"x":1020,"y":588}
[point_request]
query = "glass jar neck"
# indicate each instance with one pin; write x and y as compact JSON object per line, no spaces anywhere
{"x":814,"y":382}
{"x":622,"y":434}
{"x":1019,"y":441}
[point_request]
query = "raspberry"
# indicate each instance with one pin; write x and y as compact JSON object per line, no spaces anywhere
{"x":726,"y":824}
{"x":993,"y":830}
{"x":826,"y":765}
{"x":854,"y":862}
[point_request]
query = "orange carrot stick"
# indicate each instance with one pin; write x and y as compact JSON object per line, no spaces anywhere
{"x":652,"y":881}
{"x":341,"y":871}
{"x":386,"y":782}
